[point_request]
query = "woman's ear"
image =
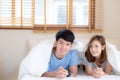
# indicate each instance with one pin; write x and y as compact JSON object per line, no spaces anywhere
{"x":103,"y":47}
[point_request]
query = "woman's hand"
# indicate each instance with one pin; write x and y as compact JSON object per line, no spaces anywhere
{"x":98,"y":72}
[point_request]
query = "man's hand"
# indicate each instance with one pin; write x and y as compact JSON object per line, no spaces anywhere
{"x":61,"y":73}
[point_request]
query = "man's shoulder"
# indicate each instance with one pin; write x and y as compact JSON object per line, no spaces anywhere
{"x":73,"y":52}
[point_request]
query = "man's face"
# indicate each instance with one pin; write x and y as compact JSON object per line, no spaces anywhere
{"x":63,"y":47}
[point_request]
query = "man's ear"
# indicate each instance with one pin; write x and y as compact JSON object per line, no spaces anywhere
{"x":55,"y":43}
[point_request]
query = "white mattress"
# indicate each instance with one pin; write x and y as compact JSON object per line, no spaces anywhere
{"x":34,"y":64}
{"x":80,"y":76}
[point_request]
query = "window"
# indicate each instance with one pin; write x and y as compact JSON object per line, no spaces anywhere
{"x":16,"y":13}
{"x":50,"y":14}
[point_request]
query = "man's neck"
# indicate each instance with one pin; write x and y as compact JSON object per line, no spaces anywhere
{"x":57,"y":55}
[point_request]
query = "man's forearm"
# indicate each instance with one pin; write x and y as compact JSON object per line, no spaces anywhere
{"x":49,"y":74}
{"x":73,"y":71}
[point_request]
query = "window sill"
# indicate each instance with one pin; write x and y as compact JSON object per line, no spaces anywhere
{"x":76,"y":31}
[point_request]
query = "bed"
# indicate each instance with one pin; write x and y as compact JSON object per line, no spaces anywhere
{"x":34,"y":64}
{"x":78,"y":77}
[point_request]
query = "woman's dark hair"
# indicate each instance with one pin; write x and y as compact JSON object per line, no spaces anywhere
{"x":88,"y":55}
{"x":66,"y":35}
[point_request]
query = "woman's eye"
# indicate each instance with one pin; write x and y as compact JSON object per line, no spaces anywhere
{"x":96,"y":46}
{"x":91,"y":46}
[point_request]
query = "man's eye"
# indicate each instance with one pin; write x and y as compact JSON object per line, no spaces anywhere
{"x":67,"y":44}
{"x":60,"y":42}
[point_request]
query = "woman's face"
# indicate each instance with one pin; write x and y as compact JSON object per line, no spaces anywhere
{"x":63,"y":47}
{"x":96,"y":48}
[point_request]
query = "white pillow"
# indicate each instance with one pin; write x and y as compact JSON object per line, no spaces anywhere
{"x":32,"y":42}
{"x":81,"y":47}
{"x":36,"y":62}
{"x":113,"y":57}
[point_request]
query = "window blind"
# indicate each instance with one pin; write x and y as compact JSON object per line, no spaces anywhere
{"x":99,"y":19}
{"x":70,"y":14}
{"x":79,"y":14}
{"x":51,"y":14}
{"x":16,"y":13}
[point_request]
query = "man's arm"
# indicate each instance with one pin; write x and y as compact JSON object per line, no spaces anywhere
{"x":73,"y":70}
{"x":60,"y":73}
{"x":75,"y":61}
{"x":49,"y":74}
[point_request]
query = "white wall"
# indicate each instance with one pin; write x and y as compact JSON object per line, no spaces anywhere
{"x":13,"y":43}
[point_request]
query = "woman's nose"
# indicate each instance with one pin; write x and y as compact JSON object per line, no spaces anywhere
{"x":93,"y":48}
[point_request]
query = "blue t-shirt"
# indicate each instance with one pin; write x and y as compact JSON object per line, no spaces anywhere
{"x":71,"y":59}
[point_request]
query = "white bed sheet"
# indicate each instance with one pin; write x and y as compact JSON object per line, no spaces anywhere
{"x":78,"y":77}
{"x":27,"y":70}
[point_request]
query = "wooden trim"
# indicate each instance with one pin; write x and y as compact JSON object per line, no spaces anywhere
{"x":21,"y":13}
{"x":69,"y":16}
{"x":57,"y":27}
{"x":45,"y":15}
{"x":13,"y":12}
{"x":33,"y":13}
{"x":54,"y":30}
{"x":53,"y":25}
{"x":89,"y":17}
{"x":75,"y":31}
{"x":13,"y":26}
{"x":92,"y":14}
{"x":17,"y":28}
{"x":67,"y":13}
{"x":70,"y":12}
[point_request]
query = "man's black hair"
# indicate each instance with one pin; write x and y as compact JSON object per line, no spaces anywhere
{"x":66,"y":35}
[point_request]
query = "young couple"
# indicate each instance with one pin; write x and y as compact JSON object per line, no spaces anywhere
{"x":64,"y":61}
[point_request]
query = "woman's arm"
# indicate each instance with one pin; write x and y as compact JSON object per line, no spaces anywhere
{"x":88,"y":70}
{"x":97,"y":72}
{"x":108,"y":68}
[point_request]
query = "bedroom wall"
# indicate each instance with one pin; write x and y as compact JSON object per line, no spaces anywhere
{"x":13,"y":43}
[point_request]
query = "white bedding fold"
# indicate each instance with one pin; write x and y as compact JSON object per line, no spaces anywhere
{"x":36,"y":62}
{"x":113,"y":57}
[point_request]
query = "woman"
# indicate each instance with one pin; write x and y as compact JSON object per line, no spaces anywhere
{"x":95,"y":60}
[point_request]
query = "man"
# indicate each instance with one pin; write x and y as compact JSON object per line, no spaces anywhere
{"x":63,"y":61}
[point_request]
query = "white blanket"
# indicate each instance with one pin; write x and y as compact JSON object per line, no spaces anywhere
{"x":36,"y":62}
{"x":78,"y":77}
{"x":113,"y":56}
